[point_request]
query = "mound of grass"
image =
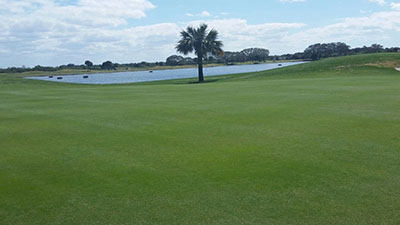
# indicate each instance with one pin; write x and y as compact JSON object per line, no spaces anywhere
{"x":340,"y":66}
{"x":310,"y":144}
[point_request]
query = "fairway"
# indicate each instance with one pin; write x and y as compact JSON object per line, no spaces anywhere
{"x":316,"y":143}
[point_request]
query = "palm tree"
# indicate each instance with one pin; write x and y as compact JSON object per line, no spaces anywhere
{"x":202,"y":42}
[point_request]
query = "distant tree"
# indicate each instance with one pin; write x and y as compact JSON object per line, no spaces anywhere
{"x":298,"y":55}
{"x":107,"y":65}
{"x":256,"y":54}
{"x":319,"y":51}
{"x":392,"y":49}
{"x":88,"y":64}
{"x":295,"y":56}
{"x":189,"y":61}
{"x":160,"y":63}
{"x":234,"y":57}
{"x":174,"y":60}
{"x":376,"y":48}
{"x":246,"y":55}
{"x":202,"y":42}
{"x":43,"y":68}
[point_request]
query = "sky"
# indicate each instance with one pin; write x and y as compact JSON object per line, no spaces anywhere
{"x":57,"y":32}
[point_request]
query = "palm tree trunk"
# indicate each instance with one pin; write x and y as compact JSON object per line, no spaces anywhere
{"x":201,"y":75}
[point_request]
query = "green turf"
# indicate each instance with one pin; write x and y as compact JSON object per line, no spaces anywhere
{"x":310,"y":144}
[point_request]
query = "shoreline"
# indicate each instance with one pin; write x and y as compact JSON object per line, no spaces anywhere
{"x":145,"y":76}
{"x":122,"y":70}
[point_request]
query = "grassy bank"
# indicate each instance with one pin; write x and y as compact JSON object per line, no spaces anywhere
{"x":310,"y":144}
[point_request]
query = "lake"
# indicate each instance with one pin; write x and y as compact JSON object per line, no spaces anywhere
{"x":156,"y":75}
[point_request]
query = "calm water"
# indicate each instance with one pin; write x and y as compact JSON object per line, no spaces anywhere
{"x":143,"y":76}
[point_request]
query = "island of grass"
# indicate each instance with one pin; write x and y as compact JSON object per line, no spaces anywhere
{"x":316,"y":143}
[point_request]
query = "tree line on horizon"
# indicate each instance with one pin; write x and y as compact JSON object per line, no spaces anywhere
{"x":246,"y":55}
{"x":313,"y":52}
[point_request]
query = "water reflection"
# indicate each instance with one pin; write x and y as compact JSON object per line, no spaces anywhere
{"x":156,"y":75}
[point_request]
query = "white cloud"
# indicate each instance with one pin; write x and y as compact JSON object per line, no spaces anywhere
{"x":202,"y":14}
{"x":44,"y":31}
{"x":237,"y":34}
{"x":84,"y":12}
{"x":57,"y":43}
{"x":369,"y":29}
{"x":205,"y":14}
{"x":395,"y":6}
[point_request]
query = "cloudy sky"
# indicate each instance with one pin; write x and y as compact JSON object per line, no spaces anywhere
{"x":55,"y":32}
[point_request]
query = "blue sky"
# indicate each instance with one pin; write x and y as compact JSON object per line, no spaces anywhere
{"x":54,"y":32}
{"x":312,"y":12}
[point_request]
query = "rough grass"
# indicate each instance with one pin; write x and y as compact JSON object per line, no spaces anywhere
{"x":309,"y":144}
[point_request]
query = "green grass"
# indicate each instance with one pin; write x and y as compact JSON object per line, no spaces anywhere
{"x":316,"y":143}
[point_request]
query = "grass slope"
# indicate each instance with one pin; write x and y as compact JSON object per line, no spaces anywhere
{"x":310,"y":144}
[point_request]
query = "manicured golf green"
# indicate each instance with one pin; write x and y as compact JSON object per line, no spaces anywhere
{"x":317,"y":143}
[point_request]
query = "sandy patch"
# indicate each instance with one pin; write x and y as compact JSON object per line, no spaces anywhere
{"x":387,"y":64}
